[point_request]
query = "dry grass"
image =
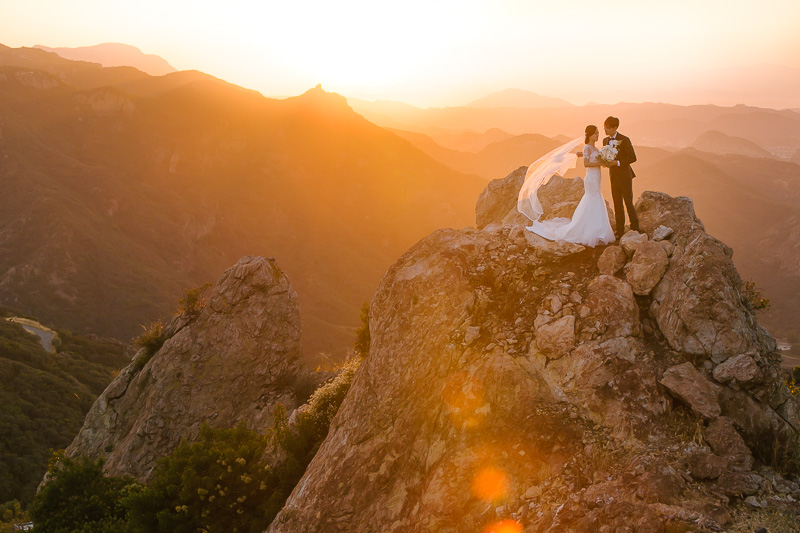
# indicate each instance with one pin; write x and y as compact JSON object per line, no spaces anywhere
{"x":747,"y":521}
{"x":685,"y":425}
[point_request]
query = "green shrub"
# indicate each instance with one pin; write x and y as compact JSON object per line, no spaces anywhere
{"x":77,"y":497}
{"x":216,"y":484}
{"x":151,"y":341}
{"x":219,"y":483}
{"x":753,"y":295}
{"x":314,"y":419}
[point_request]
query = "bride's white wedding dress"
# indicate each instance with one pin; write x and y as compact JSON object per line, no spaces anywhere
{"x":589,"y":224}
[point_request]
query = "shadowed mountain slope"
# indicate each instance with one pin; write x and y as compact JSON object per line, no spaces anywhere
{"x":117,"y":201}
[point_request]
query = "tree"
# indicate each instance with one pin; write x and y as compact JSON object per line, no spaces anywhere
{"x":77,"y":497}
{"x":11,"y":513}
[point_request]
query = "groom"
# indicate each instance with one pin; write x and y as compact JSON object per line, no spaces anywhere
{"x":621,"y":176}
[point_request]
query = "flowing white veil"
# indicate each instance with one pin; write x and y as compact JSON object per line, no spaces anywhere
{"x":539,"y":173}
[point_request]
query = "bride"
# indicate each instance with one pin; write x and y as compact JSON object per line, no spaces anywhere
{"x":589,"y":224}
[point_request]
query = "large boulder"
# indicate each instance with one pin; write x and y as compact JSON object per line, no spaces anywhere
{"x":656,"y":209}
{"x":499,"y":198}
{"x":700,"y":304}
{"x":232,"y":360}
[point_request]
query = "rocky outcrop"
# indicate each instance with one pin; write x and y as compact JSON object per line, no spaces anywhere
{"x":499,"y":198}
{"x":509,"y":381}
{"x":231,"y":360}
{"x":497,"y":204}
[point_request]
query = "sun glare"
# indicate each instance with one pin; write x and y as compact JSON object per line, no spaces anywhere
{"x":490,"y":484}
{"x":371,"y":45}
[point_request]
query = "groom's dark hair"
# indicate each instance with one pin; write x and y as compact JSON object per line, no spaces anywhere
{"x":611,"y":122}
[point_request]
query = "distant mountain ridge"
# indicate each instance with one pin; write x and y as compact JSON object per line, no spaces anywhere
{"x":717,"y":142}
{"x":518,"y":98}
{"x":651,"y":124}
{"x":115,"y":55}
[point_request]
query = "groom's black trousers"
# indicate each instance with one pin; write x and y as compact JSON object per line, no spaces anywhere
{"x":622,"y":192}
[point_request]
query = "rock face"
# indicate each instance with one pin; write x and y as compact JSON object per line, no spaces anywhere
{"x":509,"y":384}
{"x":499,"y":198}
{"x":498,"y":202}
{"x":231,"y":361}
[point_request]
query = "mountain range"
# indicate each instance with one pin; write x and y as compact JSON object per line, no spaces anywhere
{"x":650,"y":124}
{"x":125,"y":189}
{"x":115,"y":55}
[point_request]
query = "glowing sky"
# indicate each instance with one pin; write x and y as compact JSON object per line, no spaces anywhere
{"x":443,"y":52}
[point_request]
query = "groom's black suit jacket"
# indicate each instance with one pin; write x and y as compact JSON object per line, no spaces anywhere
{"x":625,"y":156}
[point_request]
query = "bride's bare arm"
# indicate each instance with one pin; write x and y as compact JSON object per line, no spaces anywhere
{"x":587,"y":164}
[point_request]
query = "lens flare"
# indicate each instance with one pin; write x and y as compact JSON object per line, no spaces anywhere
{"x":506,"y":526}
{"x":490,"y":484}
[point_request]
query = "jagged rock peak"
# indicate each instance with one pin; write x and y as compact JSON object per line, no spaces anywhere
{"x":229,"y":360}
{"x":319,"y":99}
{"x":509,"y":380}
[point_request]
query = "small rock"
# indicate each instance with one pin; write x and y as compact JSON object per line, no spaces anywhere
{"x":742,"y":369}
{"x":662,"y":232}
{"x":726,"y":442}
{"x":668,"y":247}
{"x":705,"y":465}
{"x":631,"y":240}
{"x":752,"y":501}
{"x":533,"y":492}
{"x":689,"y":385}
{"x":472,"y":334}
{"x":611,"y":260}
{"x":541,"y":320}
{"x":555,"y":304}
{"x":739,"y":483}
{"x":558,"y":337}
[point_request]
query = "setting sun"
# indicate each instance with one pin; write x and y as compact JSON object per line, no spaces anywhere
{"x":448,"y":52}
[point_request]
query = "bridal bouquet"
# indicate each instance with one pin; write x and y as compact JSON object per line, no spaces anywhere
{"x":609,"y":152}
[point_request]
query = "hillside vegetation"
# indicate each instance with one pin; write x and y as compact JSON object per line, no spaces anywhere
{"x":45,"y":398}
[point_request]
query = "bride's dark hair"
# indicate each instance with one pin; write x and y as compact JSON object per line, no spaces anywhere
{"x":591,"y":129}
